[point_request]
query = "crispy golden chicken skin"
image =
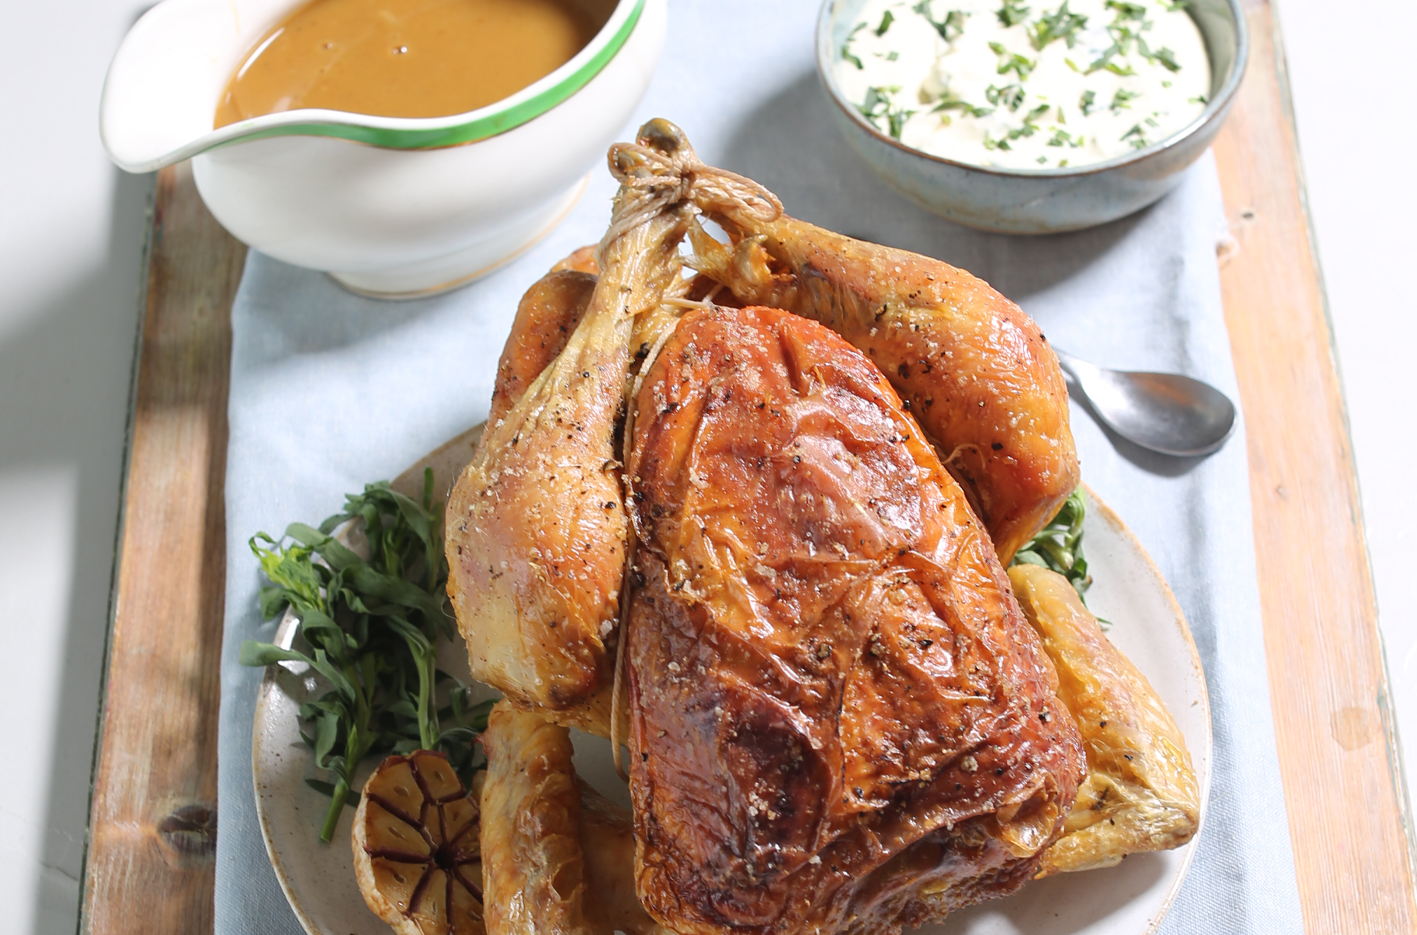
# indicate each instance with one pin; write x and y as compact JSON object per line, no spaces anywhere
{"x":558,"y":857}
{"x":973,"y":369}
{"x":1140,"y":793}
{"x":546,"y":316}
{"x":533,"y":869}
{"x":840,"y":720}
{"x":536,"y":526}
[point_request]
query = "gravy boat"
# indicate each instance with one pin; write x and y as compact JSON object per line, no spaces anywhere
{"x":389,"y":206}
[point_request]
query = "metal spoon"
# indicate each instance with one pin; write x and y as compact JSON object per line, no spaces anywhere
{"x":1164,"y":412}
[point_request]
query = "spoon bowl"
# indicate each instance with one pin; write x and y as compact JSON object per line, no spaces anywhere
{"x":1163,"y":412}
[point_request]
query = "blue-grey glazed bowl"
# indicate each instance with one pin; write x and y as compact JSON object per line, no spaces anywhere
{"x":1041,"y":201}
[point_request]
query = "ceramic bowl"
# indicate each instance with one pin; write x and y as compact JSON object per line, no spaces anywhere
{"x":388,"y":206}
{"x":1041,"y":201}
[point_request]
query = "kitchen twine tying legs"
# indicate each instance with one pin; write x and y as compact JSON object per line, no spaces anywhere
{"x":657,"y":173}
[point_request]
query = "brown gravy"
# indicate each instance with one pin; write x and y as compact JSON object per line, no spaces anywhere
{"x":408,"y":58}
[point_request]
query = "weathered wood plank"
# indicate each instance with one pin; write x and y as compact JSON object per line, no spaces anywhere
{"x":1327,"y":680}
{"x":150,"y":862}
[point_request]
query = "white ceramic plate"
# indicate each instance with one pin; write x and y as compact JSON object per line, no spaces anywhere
{"x":1129,"y":899}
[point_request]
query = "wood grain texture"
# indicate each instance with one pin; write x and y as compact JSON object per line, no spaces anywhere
{"x":152,"y":827}
{"x":1327,"y":680}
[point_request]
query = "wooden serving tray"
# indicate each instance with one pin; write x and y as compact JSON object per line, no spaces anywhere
{"x":152,"y":834}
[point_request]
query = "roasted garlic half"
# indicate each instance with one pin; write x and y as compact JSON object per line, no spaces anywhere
{"x":418,"y":847}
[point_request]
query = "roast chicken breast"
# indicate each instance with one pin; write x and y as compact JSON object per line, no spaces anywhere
{"x":972,"y":368}
{"x":1140,"y":793}
{"x":840,"y":720}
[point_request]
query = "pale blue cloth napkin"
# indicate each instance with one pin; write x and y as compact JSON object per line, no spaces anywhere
{"x":329,"y":390}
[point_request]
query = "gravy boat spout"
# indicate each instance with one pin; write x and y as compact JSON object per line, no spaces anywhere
{"x":390,"y":206}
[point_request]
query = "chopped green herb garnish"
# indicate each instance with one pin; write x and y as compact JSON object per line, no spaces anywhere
{"x":950,"y":27}
{"x":1136,"y":136}
{"x":1038,"y":111}
{"x":1122,"y":100}
{"x":1028,"y":129}
{"x":1041,"y":160}
{"x":886,"y":21}
{"x":878,"y":101}
{"x":895,"y":120}
{"x":1012,"y":13}
{"x":878,"y":104}
{"x":1198,"y":99}
{"x":1060,"y":24}
{"x":1167,"y":58}
{"x":1010,"y":96}
{"x":1087,"y":102}
{"x":951,"y":102}
{"x":892,"y":55}
{"x":1013,"y":62}
{"x":846,"y":53}
{"x":1127,"y":11}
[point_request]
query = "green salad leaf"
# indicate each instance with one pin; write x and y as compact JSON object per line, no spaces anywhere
{"x":372,"y":627}
{"x":1058,"y":546}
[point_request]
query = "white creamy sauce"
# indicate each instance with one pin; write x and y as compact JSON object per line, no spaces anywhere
{"x":1024,"y":84}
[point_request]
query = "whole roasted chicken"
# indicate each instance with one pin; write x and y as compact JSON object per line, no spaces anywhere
{"x":839,"y":719}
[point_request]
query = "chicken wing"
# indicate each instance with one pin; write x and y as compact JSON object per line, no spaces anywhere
{"x":972,"y":368}
{"x":840,"y":720}
{"x":1140,"y":793}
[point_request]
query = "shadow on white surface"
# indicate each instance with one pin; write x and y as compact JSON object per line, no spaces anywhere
{"x":64,"y":380}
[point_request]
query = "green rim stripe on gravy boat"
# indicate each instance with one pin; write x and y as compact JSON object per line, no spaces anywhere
{"x":498,"y":122}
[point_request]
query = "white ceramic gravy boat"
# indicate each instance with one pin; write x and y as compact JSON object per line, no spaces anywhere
{"x":389,"y":206}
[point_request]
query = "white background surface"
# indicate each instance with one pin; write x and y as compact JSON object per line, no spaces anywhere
{"x":71,"y":229}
